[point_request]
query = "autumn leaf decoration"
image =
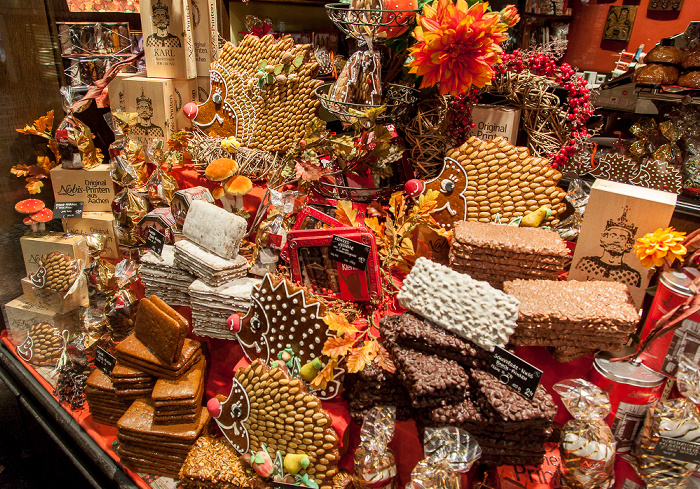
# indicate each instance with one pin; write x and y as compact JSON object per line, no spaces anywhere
{"x":34,"y":174}
{"x":354,"y":347}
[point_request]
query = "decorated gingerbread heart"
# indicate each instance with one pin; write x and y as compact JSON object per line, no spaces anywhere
{"x":282,"y":416}
{"x":285,"y":323}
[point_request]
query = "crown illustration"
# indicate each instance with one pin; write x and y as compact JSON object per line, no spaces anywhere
{"x":159,"y":6}
{"x":622,"y":223}
{"x":142,"y":98}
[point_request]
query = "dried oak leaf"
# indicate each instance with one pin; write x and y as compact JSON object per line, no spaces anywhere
{"x":324,"y":376}
{"x":360,"y":357}
{"x":346,"y":214}
{"x":384,"y":360}
{"x":34,"y":185}
{"x":20,"y":170}
{"x":309,"y":172}
{"x":339,"y":323}
{"x":337,"y":347}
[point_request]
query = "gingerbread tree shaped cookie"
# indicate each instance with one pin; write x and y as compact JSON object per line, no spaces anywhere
{"x":262,"y":92}
{"x":267,"y":407}
{"x":285,"y":322}
{"x":484,"y":179}
{"x":659,"y":175}
{"x":615,"y":167}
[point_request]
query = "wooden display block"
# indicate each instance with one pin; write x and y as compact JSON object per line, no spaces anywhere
{"x":24,"y":311}
{"x":616,"y":215}
{"x":33,"y":248}
{"x":158,"y":102}
{"x":96,"y":223}
{"x":205,"y":34}
{"x":202,"y":88}
{"x":491,"y":121}
{"x":167,"y":38}
{"x":117,"y":103}
{"x":56,"y":300}
{"x":93,"y":187}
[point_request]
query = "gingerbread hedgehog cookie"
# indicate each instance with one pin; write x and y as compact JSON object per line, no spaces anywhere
{"x":484,"y":179}
{"x":267,"y":407}
{"x":285,"y":322}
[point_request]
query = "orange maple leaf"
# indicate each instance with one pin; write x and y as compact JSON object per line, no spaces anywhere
{"x":358,"y":358}
{"x":324,"y":376}
{"x":339,"y":323}
{"x":309,"y":172}
{"x":346,"y":214}
{"x":337,"y":347}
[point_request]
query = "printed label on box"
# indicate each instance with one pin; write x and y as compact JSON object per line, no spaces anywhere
{"x":349,"y":252}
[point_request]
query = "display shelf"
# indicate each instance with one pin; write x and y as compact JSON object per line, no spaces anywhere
{"x":547,"y":16}
{"x":655,"y":94}
{"x":94,"y":464}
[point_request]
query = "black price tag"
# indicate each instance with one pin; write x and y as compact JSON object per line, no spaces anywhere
{"x":155,"y":240}
{"x":104,"y":361}
{"x":67,"y":210}
{"x":515,"y":372}
{"x":681,"y":450}
{"x":349,"y":252}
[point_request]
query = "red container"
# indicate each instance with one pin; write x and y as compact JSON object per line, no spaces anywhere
{"x":625,"y":475}
{"x":663,"y":354}
{"x":632,"y":388}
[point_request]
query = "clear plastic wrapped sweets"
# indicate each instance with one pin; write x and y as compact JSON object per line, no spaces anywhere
{"x":448,"y":452}
{"x":587,"y":445}
{"x":375,"y":465}
{"x":667,"y":445}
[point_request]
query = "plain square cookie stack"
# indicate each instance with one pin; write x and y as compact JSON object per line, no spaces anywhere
{"x":130,"y":383}
{"x":162,"y":278}
{"x":103,"y":404}
{"x":211,"y":306}
{"x":574,"y":318}
{"x":179,"y":401}
{"x":497,"y":253}
{"x":210,"y":251}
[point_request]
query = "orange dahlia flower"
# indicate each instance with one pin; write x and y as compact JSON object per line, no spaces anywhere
{"x":660,"y":246}
{"x":457,"y":45}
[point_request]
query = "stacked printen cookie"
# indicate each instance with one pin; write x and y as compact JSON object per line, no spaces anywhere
{"x":104,"y":405}
{"x":130,"y":383}
{"x":211,"y":306}
{"x":161,"y":277}
{"x":210,"y":251}
{"x":157,"y":431}
{"x":496,"y":253}
{"x":574,"y":318}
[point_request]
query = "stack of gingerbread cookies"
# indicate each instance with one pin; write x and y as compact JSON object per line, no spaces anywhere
{"x":161,"y":277}
{"x":573,"y":318}
{"x":497,"y":253}
{"x":179,"y":401}
{"x":104,"y":405}
{"x":130,"y":383}
{"x":210,"y":251}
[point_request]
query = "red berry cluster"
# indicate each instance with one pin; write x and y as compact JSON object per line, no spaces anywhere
{"x":460,"y":122}
{"x":580,"y":107}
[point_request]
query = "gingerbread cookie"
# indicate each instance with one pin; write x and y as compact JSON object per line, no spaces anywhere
{"x":267,"y":407}
{"x":484,"y":179}
{"x":160,"y":328}
{"x":57,"y":272}
{"x":281,"y":318}
{"x":268,"y":116}
{"x":43,"y":345}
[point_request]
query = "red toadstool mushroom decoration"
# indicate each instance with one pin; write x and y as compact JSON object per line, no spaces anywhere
{"x":32,"y":206}
{"x":43,"y":216}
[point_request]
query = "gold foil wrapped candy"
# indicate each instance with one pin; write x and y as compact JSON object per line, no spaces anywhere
{"x":663,"y":448}
{"x":77,"y":134}
{"x":128,"y":208}
{"x":375,"y":465}
{"x":587,"y":444}
{"x":161,"y":187}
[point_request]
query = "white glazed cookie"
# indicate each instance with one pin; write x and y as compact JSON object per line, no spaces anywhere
{"x":468,"y":308}
{"x":214,"y":229}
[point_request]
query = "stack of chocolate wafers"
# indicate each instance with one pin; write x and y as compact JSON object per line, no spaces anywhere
{"x":211,"y":306}
{"x":161,"y":277}
{"x":510,"y":429}
{"x":179,"y":401}
{"x":130,"y":383}
{"x":573,"y":318}
{"x":208,"y":266}
{"x":496,"y":253}
{"x":374,"y":386}
{"x":104,"y":405}
{"x":153,"y":448}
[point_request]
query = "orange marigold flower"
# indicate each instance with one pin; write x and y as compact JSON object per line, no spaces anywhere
{"x":457,"y":45}
{"x":660,"y":246}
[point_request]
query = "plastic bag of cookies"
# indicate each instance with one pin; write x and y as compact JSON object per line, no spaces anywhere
{"x":666,"y":446}
{"x":360,"y":81}
{"x":57,"y":272}
{"x":374,"y":461}
{"x":587,"y":444}
{"x":43,"y":346}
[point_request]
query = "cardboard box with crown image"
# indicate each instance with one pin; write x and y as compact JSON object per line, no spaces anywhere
{"x":168,"y":40}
